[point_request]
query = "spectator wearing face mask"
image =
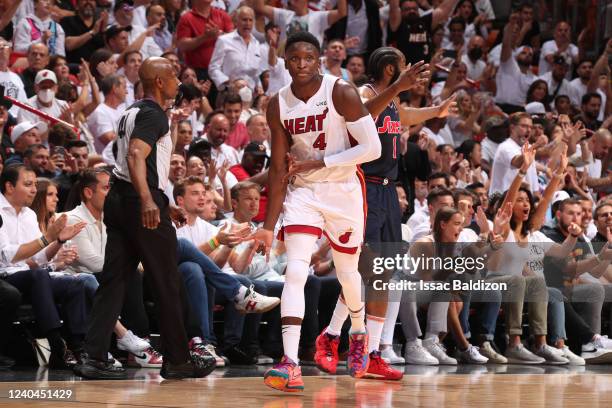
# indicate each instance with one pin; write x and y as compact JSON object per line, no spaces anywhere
{"x":45,"y":86}
{"x":473,"y":59}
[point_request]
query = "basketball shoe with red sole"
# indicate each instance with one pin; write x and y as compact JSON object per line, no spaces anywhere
{"x":378,"y":369}
{"x":285,"y":376}
{"x":326,"y":355}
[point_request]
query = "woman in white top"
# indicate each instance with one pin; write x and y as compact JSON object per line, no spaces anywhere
{"x":522,"y":260}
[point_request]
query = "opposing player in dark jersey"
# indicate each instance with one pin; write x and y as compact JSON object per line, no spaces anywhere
{"x":388,"y":77}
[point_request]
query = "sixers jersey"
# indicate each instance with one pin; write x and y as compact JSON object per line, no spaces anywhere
{"x":389,"y":128}
{"x":317,"y":131}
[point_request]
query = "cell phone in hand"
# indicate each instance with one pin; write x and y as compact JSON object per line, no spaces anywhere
{"x":449,"y":54}
{"x":59,"y":150}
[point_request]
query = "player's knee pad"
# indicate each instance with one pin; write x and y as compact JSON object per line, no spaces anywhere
{"x":292,"y":300}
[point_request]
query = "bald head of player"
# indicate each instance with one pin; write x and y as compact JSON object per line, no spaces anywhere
{"x":302,"y":59}
{"x":159,"y":80}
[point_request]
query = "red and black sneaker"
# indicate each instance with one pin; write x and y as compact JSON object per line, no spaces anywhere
{"x":380,"y":370}
{"x":326,"y":354}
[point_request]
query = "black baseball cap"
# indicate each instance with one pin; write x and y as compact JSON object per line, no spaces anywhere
{"x":256,"y":148}
{"x":121,"y":3}
{"x":560,"y":59}
{"x":114,"y":30}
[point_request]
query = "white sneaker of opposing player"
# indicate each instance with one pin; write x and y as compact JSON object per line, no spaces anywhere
{"x":438,"y":351}
{"x":573,"y":358}
{"x":253,"y":302}
{"x":417,"y":354}
{"x":390,"y":357}
{"x":489,"y":352}
{"x":470,"y":356}
{"x":132,"y":343}
{"x":550,"y":354}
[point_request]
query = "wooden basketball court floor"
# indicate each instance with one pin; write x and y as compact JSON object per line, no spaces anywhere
{"x":463,"y":386}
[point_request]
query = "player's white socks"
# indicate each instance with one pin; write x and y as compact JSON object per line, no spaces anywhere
{"x":340,"y":315}
{"x":291,"y":341}
{"x":357,"y":320}
{"x":375,"y":326}
{"x":348,"y":275}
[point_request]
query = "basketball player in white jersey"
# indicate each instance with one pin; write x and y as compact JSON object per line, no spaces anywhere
{"x":321,"y":132}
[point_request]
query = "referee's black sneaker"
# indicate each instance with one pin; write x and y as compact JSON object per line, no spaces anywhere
{"x":197,"y":367}
{"x":99,"y":370}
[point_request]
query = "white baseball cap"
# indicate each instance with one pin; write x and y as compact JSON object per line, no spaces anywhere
{"x":24,"y":127}
{"x":559,"y":196}
{"x":535,"y":108}
{"x":45,"y":75}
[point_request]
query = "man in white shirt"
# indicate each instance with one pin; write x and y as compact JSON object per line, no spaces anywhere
{"x":259,"y":131}
{"x":91,"y":244}
{"x":131,"y":65}
{"x":12,"y":83}
{"x":217,"y":131}
{"x":473,"y":58}
{"x":579,"y":85}
{"x":196,"y":200}
{"x":25,"y":263}
{"x":177,"y":172}
{"x":509,"y":158}
{"x":555,"y":78}
{"x":437,"y":198}
{"x":103,"y":121}
{"x":561,"y":43}
{"x":162,"y":37}
{"x":299,"y":18}
{"x":237,"y":55}
{"x":45,"y":86}
{"x":40,"y":27}
{"x":514,"y":75}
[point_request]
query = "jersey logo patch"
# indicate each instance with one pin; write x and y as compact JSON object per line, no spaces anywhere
{"x":390,"y":126}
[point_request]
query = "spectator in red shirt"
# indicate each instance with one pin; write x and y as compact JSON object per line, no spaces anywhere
{"x":238,"y":136}
{"x":250,"y":168}
{"x":197,"y":32}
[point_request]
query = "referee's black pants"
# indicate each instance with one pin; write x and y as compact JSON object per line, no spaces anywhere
{"x":129,"y":243}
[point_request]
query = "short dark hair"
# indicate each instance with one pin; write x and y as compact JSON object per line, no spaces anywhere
{"x":10,"y":174}
{"x":437,"y":193}
{"x":568,"y":201}
{"x":462,"y":192}
{"x":439,"y":174}
{"x":76,"y":143}
{"x":457,"y":20}
{"x":380,"y":58}
{"x":199,"y":148}
{"x":33,"y":149}
{"x":180,"y":187}
{"x":600,"y":206}
{"x":588,"y":96}
{"x":232,"y":99}
{"x":302,"y":36}
{"x":88,"y":178}
{"x":474,"y":186}
{"x":109,"y":82}
{"x":60,"y":135}
{"x":243,"y":185}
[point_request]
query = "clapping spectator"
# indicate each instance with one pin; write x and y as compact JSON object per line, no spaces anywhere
{"x":237,"y":55}
{"x":84,"y":31}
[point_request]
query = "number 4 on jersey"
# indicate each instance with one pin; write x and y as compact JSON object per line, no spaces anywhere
{"x":319,"y":143}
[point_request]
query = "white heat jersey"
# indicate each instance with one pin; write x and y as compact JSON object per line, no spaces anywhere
{"x":317,"y":131}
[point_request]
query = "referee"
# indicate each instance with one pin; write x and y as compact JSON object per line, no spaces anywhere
{"x":139,"y":229}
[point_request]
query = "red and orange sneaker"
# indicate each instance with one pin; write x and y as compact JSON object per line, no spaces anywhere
{"x":285,"y":376}
{"x":358,"y":359}
{"x":379,"y":369}
{"x":326,"y":355}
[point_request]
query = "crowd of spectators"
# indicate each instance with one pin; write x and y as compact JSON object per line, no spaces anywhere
{"x":529,"y":145}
